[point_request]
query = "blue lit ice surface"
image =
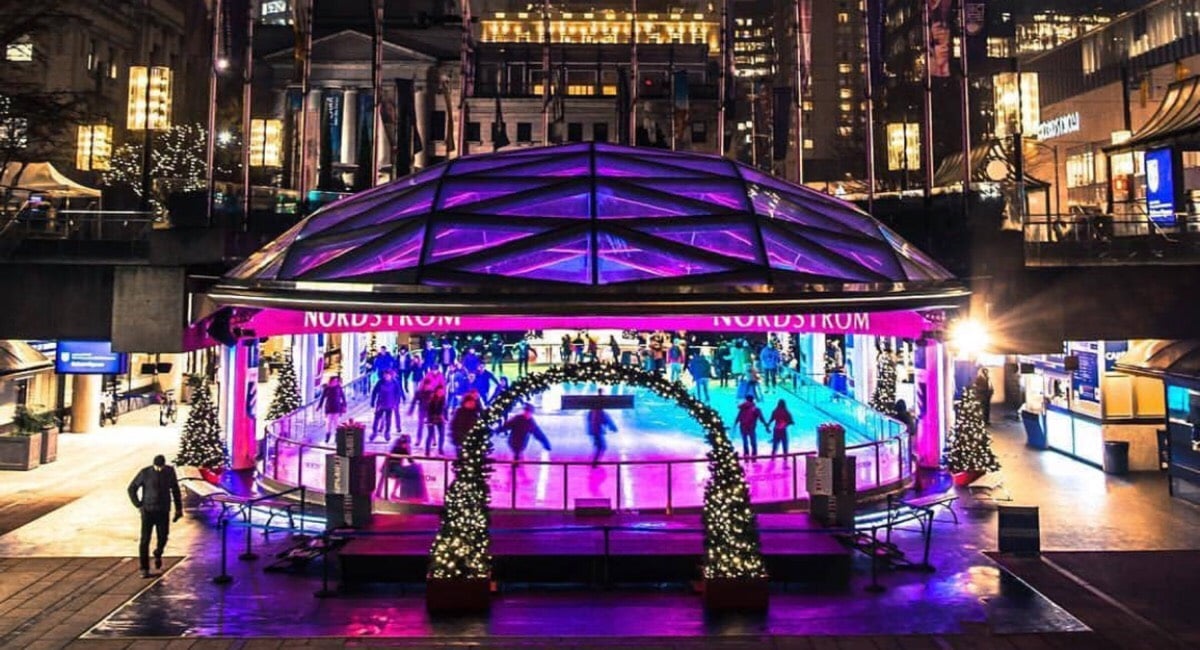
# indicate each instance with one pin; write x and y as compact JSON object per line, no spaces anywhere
{"x":657,"y":429}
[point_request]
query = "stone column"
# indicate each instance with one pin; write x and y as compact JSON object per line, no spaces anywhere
{"x":85,"y":403}
{"x":349,"y":153}
{"x":420,"y":97}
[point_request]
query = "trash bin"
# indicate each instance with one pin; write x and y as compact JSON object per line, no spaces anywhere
{"x":1035,"y":435}
{"x":1116,"y":457}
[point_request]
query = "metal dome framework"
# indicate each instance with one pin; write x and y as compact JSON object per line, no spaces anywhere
{"x":588,"y":219}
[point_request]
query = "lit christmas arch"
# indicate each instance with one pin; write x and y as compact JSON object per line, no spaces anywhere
{"x":731,"y":542}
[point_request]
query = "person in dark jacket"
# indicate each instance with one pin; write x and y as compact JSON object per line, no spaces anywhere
{"x":701,"y":371}
{"x":747,"y":421}
{"x":386,"y":398}
{"x":520,"y":427}
{"x":465,"y":417}
{"x":435,"y":419}
{"x":496,"y":354}
{"x":333,"y":402}
{"x":598,"y":421}
{"x":158,"y":487}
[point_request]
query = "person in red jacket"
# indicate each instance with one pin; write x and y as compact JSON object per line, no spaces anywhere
{"x":748,"y":417}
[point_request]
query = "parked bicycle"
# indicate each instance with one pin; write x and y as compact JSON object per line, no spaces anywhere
{"x":168,"y":409}
{"x":108,"y":408}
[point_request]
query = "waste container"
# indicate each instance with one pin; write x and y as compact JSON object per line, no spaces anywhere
{"x":1116,"y":457}
{"x":1035,"y":435}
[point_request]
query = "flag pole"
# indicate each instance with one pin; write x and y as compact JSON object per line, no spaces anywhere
{"x":803,"y":14}
{"x":247,"y":94}
{"x":722,"y":91}
{"x":305,"y":89}
{"x":965,"y":99}
{"x":463,"y":81}
{"x":927,"y":153}
{"x":870,"y":54}
{"x":674,"y":92}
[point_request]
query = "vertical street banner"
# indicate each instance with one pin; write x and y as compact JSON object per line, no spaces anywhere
{"x":408,"y":138}
{"x":331,"y":135}
{"x":940,"y":40}
{"x":366,"y":141}
{"x":975,"y":30}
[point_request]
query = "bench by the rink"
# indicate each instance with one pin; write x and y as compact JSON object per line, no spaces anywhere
{"x":236,"y":504}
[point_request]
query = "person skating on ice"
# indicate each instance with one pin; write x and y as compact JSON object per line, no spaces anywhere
{"x":598,"y":422}
{"x":778,"y":425}
{"x":520,"y":428}
{"x":748,"y":417}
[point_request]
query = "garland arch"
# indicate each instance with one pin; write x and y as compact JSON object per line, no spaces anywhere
{"x":731,"y":540}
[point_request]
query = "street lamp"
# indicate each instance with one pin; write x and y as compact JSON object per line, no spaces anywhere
{"x":93,"y":150}
{"x":149,"y":110}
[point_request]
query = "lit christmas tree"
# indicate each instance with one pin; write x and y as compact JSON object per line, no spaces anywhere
{"x":287,"y":391}
{"x":969,"y":448}
{"x":884,"y":397}
{"x":177,"y":162}
{"x":201,"y":444}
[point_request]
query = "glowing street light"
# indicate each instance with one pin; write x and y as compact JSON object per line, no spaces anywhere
{"x":93,"y":151}
{"x":969,"y":337}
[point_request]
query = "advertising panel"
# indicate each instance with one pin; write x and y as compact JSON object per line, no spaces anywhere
{"x":89,"y":358}
{"x":1160,"y":187}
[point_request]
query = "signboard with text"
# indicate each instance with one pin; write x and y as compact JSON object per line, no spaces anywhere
{"x":1160,"y":187}
{"x":1085,"y":381}
{"x":89,"y":358}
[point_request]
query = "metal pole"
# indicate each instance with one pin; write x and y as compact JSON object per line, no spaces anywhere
{"x":249,"y":554}
{"x":634,"y":80}
{"x":210,"y":139}
{"x":224,"y":578}
{"x":671,"y":103}
{"x":545,"y":72}
{"x":1020,"y":152}
{"x":376,"y":90}
{"x":464,"y":84}
{"x":803,"y":12}
{"x":247,"y":88}
{"x":305,"y":83}
{"x":927,"y":141}
{"x":146,"y":142}
{"x":722,"y":91}
{"x":869,"y":86}
{"x":965,"y":108}
{"x":670,"y":490}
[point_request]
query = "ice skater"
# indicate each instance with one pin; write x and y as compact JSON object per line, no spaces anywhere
{"x":598,"y":421}
{"x":520,"y":427}
{"x":781,"y":418}
{"x":386,"y":398}
{"x":748,"y":417}
{"x":333,"y":402}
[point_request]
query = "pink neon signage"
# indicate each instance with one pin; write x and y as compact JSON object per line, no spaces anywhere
{"x":272,"y":322}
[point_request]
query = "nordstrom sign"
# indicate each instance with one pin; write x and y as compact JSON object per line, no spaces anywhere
{"x":1061,"y":125}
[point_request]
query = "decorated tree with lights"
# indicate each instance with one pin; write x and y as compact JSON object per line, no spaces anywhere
{"x":884,"y":397}
{"x":177,"y":162}
{"x":731,"y":541}
{"x":287,"y":391}
{"x":969,"y":447}
{"x":201,"y":444}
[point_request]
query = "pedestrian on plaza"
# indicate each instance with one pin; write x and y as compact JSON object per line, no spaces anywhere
{"x":386,"y":398}
{"x":333,"y":402}
{"x":403,"y":366}
{"x":598,"y":421}
{"x":984,"y":391}
{"x":465,"y":417}
{"x":779,"y":421}
{"x":501,"y":386}
{"x":435,"y":419}
{"x":158,"y":487}
{"x":748,"y":417}
{"x":520,"y":428}
{"x":701,"y":370}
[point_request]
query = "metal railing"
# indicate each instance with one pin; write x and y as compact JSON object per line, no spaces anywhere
{"x":309,"y":420}
{"x":630,"y":484}
{"x":87,"y":225}
{"x":850,"y":413}
{"x":1093,"y":238}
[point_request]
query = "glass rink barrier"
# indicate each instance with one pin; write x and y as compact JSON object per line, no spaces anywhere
{"x":536,"y":484}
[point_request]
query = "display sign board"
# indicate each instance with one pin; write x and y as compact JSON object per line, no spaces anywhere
{"x":1113,"y":351}
{"x":337,"y":474}
{"x":89,"y":358}
{"x":1160,"y":187}
{"x":818,"y":476}
{"x":1085,"y":381}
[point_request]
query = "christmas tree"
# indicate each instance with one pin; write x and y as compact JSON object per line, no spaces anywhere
{"x":287,"y":391}
{"x":201,"y":445}
{"x":969,"y":448}
{"x":884,"y":397}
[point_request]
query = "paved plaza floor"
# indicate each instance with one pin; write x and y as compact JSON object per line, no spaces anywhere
{"x":68,"y":578}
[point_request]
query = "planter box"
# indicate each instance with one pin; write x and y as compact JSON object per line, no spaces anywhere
{"x":20,"y":452}
{"x":458,"y":595}
{"x":49,"y":446}
{"x":736,"y":594}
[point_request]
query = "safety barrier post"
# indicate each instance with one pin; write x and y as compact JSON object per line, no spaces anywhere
{"x":324,"y":591}
{"x":224,"y":578}
{"x":249,"y":554}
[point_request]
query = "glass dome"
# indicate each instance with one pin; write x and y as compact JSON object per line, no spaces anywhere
{"x":590,"y":215}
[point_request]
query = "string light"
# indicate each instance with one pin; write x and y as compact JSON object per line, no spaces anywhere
{"x":969,"y":447}
{"x":731,"y":540}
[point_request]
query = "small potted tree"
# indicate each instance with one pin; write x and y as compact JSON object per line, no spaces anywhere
{"x":22,"y":449}
{"x":969,"y":452}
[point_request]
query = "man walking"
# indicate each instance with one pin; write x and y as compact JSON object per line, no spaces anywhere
{"x":158,"y":487}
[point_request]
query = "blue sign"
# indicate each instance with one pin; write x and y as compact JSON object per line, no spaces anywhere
{"x":1160,"y":187}
{"x":1113,"y":351}
{"x":89,"y":358}
{"x":1086,"y":380}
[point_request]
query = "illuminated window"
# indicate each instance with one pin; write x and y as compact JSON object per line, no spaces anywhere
{"x":20,"y":49}
{"x":844,"y":68}
{"x":843,"y":18}
{"x":845,"y":131}
{"x":808,"y":143}
{"x":845,"y":93}
{"x":845,"y":107}
{"x":14,"y":131}
{"x":1081,"y":169}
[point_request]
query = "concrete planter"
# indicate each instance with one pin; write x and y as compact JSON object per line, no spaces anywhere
{"x":49,"y":446}
{"x":458,"y":595}
{"x":21,"y":452}
{"x":736,"y":594}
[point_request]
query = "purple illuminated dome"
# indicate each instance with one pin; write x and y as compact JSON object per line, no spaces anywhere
{"x":589,"y":219}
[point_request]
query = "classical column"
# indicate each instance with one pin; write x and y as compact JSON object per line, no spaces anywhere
{"x":349,"y":153}
{"x":85,"y":403}
{"x":419,"y":99}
